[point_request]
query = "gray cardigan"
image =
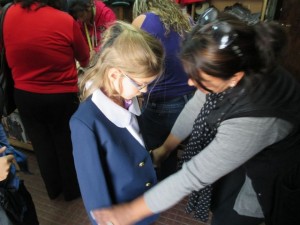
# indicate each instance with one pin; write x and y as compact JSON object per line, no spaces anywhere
{"x":237,"y":140}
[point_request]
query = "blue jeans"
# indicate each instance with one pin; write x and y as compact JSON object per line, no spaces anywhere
{"x":3,"y":138}
{"x":156,"y":122}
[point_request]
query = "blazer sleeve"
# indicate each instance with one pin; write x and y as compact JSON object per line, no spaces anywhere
{"x":90,"y":173}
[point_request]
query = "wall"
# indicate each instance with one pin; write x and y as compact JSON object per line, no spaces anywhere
{"x":254,"y":6}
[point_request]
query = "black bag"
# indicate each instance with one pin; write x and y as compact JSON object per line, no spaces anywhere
{"x":13,"y":204}
{"x":18,"y":204}
{"x":7,"y":103}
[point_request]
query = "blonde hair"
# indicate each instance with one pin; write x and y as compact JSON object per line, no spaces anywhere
{"x":127,"y":48}
{"x":169,"y":12}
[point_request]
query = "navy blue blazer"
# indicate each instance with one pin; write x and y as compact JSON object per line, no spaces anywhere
{"x":111,"y":165}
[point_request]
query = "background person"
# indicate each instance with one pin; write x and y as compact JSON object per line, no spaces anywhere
{"x":111,"y":161}
{"x":5,"y":162}
{"x":9,"y":179}
{"x":247,"y":127}
{"x":93,"y":17}
{"x":164,"y":101}
{"x":41,"y":49}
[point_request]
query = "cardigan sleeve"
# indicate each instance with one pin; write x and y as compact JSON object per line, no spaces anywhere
{"x":90,"y":171}
{"x":237,"y":141}
{"x":184,"y":123}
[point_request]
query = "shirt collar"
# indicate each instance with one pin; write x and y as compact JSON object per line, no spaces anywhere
{"x":115,"y":113}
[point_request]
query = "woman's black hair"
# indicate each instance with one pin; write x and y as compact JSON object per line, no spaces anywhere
{"x":271,"y":42}
{"x":254,"y":50}
{"x":77,"y":6}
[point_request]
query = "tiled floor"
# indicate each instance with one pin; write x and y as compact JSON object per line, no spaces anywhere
{"x":59,"y":212}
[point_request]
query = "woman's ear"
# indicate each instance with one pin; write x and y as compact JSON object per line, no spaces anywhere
{"x":236,"y":78}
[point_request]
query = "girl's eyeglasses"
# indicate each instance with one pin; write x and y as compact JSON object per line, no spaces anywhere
{"x":134,"y":83}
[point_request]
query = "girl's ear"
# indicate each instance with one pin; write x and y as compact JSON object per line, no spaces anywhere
{"x":113,"y":74}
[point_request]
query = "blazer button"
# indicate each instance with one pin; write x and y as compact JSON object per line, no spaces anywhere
{"x":148,"y":184}
{"x":141,"y":164}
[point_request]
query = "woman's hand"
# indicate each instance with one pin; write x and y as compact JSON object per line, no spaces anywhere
{"x":162,"y":153}
{"x":159,"y":155}
{"x":5,"y":162}
{"x":123,"y":214}
{"x":116,"y":215}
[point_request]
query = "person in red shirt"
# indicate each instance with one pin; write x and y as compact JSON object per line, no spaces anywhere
{"x":41,"y":49}
{"x":94,"y":17}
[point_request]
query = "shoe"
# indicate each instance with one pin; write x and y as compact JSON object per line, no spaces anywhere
{"x":53,"y":196}
{"x":71,"y":196}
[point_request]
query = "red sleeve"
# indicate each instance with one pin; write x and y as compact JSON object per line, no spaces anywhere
{"x":105,"y":15}
{"x":81,"y":49}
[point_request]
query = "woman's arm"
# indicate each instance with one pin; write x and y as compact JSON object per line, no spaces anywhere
{"x":183,"y":126}
{"x":181,"y":129}
{"x":104,"y":15}
{"x":81,"y":48}
{"x":237,"y":141}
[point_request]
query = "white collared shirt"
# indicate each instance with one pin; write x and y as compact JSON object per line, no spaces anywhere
{"x":118,"y":115}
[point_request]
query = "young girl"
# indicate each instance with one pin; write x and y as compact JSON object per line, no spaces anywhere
{"x":111,"y":161}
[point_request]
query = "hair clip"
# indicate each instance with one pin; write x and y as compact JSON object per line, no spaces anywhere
{"x":237,"y":50}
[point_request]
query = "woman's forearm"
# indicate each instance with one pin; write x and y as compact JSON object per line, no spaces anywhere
{"x":139,"y":209}
{"x":171,"y":143}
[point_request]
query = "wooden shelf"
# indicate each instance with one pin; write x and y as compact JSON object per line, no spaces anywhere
{"x":15,"y":131}
{"x":255,"y":6}
{"x":20,"y":144}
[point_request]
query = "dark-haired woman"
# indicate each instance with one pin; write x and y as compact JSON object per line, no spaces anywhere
{"x":41,"y":49}
{"x":245,"y":139}
{"x":93,"y":17}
